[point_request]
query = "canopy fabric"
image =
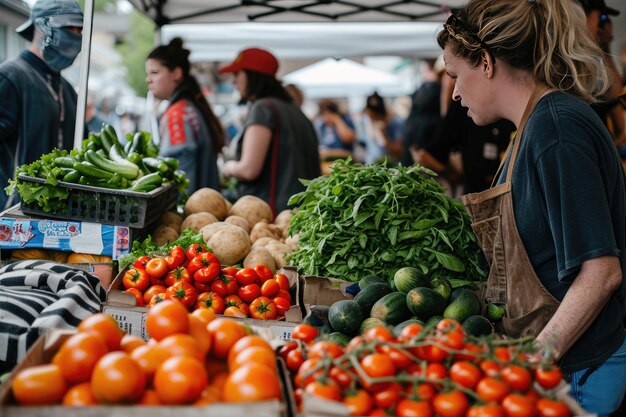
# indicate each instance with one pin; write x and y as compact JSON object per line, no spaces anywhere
{"x":220,"y":42}
{"x":165,"y":12}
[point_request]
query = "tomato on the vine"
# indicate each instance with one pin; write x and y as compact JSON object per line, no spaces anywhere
{"x":378,"y":365}
{"x":294,"y":359}
{"x":340,"y":376}
{"x":552,"y":408}
{"x":179,"y":273}
{"x":327,"y":389}
{"x":156,"y":267}
{"x":425,"y":391}
{"x":136,"y":278}
{"x":450,"y":333}
{"x":492,"y":389}
{"x":141,"y":262}
{"x":262,"y":308}
{"x":518,"y":405}
{"x":263,"y":272}
{"x":212,"y":301}
{"x":451,"y":404}
{"x":380,"y":333}
{"x":518,"y":377}
{"x":183,"y":292}
{"x":325,"y":349}
{"x":436,"y":371}
{"x":387,"y":395}
{"x":359,"y":402}
{"x":465,"y":373}
{"x":246,"y":276}
{"x":488,"y":410}
{"x":304,"y":332}
{"x":176,"y":257}
{"x":194,"y":250}
{"x":548,"y":377}
{"x":413,"y":408}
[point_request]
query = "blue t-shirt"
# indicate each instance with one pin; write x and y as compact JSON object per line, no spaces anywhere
{"x":569,"y":201}
{"x":328,"y":136}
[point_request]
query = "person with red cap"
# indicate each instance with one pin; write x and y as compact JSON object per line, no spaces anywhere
{"x":38,"y":105}
{"x":278,"y":145}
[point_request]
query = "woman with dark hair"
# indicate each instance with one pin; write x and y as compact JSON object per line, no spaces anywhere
{"x":381,"y":130}
{"x":189,"y":130}
{"x":278,"y":145}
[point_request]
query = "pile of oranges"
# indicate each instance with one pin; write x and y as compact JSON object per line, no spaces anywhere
{"x":191,"y":358}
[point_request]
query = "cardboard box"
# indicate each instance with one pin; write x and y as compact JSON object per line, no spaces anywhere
{"x":20,"y":231}
{"x":44,"y":349}
{"x":132,"y":319}
{"x":316,"y":290}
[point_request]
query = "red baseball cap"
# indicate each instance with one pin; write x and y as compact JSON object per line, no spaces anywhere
{"x":253,"y":59}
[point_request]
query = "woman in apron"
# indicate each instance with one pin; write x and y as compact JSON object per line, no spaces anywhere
{"x":553,"y":225}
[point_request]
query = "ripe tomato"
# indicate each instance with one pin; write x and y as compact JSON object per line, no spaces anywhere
{"x":387,"y":395}
{"x":117,"y":378}
{"x":105,"y":326}
{"x":451,"y":404}
{"x":340,"y":376}
{"x":548,"y":377}
{"x":150,"y":397}
{"x":224,"y":334}
{"x":156,"y":267}
{"x":518,"y":377}
{"x":136,"y":278}
{"x":151,"y":292}
{"x":79,"y":396}
{"x":253,"y":354}
{"x":230,"y":270}
{"x":284,"y":294}
{"x":203,"y":269}
{"x":377,"y":365}
{"x":490,"y":367}
{"x":137,"y":294}
{"x":78,"y":356}
{"x":431,"y":353}
{"x":246,"y":276}
{"x":359,"y":403}
{"x":327,"y":389}
{"x":199,"y":332}
{"x":283,"y":281}
{"x":263,"y":272}
{"x":156,"y":299}
{"x":224,"y":285}
{"x":204,"y":314}
{"x":282,"y":306}
{"x":399,"y":356}
{"x":424,"y":391}
{"x":183,"y":293}
{"x":175,"y":258}
{"x":166,"y":318}
{"x":325,"y":349}
{"x":194,"y":250}
{"x":233,"y":311}
{"x":149,"y":357}
{"x":436,"y":371}
{"x":141,"y":262}
{"x":306,"y":368}
{"x":380,"y":333}
{"x":211,"y":301}
{"x":130,"y":343}
{"x":469,"y":353}
{"x":489,"y":410}
{"x":491,"y":389}
{"x":244,"y":343}
{"x":180,"y":380}
{"x":252,"y":382}
{"x":235,"y":301}
{"x":518,"y":405}
{"x":450,"y":333}
{"x":304,"y":332}
{"x":182,"y":345}
{"x":410,"y":408}
{"x":465,"y":373}
{"x":262,"y":308}
{"x":249,"y":293}
{"x":552,"y":408}
{"x":270,"y":288}
{"x":502,"y":354}
{"x":39,"y":385}
{"x":202,"y":287}
{"x":179,"y":273}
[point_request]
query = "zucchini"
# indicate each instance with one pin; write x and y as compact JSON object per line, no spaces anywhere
{"x":156,"y":165}
{"x":72,"y":176}
{"x":106,"y":141}
{"x":136,"y":144}
{"x":65,"y":162}
{"x":147,"y":183}
{"x":128,"y":170}
{"x":117,"y":154}
{"x":88,"y":170}
{"x":110,"y":134}
{"x":172,"y":163}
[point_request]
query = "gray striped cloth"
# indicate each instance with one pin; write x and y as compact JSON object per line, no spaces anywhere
{"x":36,"y":296}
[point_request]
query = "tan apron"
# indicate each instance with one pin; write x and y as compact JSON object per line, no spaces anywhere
{"x":512,"y":280}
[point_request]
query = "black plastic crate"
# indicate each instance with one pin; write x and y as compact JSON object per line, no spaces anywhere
{"x":109,"y":206}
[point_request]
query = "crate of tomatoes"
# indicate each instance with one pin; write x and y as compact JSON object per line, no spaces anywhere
{"x":201,"y":364}
{"x":195,"y":278}
{"x":417,"y":370}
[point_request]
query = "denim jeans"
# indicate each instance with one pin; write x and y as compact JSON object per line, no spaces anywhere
{"x":603,"y":389}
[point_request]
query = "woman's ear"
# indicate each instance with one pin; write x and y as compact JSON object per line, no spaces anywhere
{"x":487,"y":64}
{"x":178,"y":74}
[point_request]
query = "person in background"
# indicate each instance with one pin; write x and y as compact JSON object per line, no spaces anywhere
{"x":92,"y":118}
{"x":554,"y":227}
{"x":278,"y":145}
{"x":335,"y":130}
{"x":381,"y":131}
{"x":37,"y":105}
{"x":189,"y":130}
{"x":424,"y":117}
{"x":296,"y":94}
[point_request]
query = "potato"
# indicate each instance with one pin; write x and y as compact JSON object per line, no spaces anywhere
{"x":263,"y":241}
{"x":164,"y":234}
{"x":264,"y":229}
{"x":253,"y":209}
{"x":278,"y":251}
{"x":209,"y":200}
{"x":228,"y":204}
{"x":171,"y":219}
{"x":283,"y":218}
{"x":208,"y":230}
{"x":259,"y":255}
{"x":239,"y":221}
{"x":197,"y":221}
{"x":230,"y":244}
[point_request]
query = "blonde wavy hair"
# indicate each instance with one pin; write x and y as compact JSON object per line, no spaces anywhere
{"x":548,"y":38}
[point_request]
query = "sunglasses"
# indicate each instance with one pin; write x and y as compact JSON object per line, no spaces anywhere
{"x":454,"y":24}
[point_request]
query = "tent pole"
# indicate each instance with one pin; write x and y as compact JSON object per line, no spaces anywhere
{"x":83,"y":80}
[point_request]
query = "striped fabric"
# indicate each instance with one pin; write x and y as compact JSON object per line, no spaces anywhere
{"x":39,"y":295}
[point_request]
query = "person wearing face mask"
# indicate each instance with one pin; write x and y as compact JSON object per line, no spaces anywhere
{"x":37,"y":105}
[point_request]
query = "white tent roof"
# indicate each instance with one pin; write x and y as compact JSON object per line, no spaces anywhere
{"x":221,"y":41}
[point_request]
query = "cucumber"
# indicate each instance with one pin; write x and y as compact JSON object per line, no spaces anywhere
{"x":88,"y":170}
{"x":156,"y":165}
{"x":65,"y":162}
{"x":392,"y":308}
{"x":125,"y":170}
{"x":72,"y":176}
{"x":147,"y":183}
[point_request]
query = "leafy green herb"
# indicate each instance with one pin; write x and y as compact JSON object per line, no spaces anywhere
{"x":148,"y":247}
{"x":364,"y":219}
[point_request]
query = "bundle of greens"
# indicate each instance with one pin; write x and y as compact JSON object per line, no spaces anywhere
{"x":374,"y":219}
